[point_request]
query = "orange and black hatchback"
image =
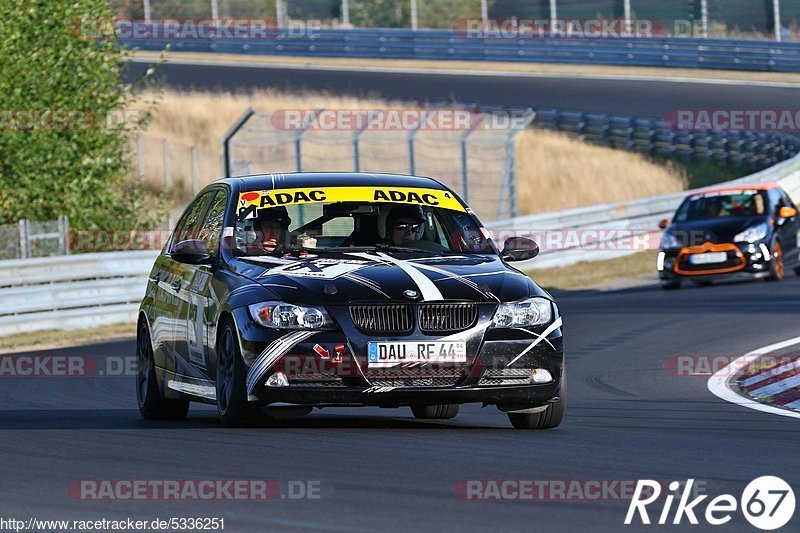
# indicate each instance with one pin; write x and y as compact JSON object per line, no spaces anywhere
{"x":744,"y":231}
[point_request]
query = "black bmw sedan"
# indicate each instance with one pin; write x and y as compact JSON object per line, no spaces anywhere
{"x":313,"y":290}
{"x":744,"y":231}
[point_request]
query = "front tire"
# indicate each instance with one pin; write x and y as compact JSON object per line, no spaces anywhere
{"x":670,"y":285}
{"x":437,"y":412}
{"x":777,"y":267}
{"x":551,"y":417}
{"x":152,"y":405}
{"x":231,"y":380}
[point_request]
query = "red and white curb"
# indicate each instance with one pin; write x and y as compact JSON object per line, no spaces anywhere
{"x":779,"y":386}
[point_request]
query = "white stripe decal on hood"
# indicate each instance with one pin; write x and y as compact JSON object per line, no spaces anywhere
{"x":426,"y":287}
{"x":429,"y":291}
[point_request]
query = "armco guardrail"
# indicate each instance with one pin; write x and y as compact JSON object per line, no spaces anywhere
{"x":74,"y":291}
{"x":638,"y":215}
{"x":732,"y":54}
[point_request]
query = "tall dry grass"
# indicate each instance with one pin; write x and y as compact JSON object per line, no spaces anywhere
{"x":554,"y":172}
{"x":558,"y":172}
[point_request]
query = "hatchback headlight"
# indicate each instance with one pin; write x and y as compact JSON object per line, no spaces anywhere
{"x":669,"y":241}
{"x":752,"y":234}
{"x":531,"y":312}
{"x":281,"y":315}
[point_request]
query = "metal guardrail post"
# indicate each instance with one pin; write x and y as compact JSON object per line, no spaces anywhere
{"x":167,"y":164}
{"x":464,"y":159}
{"x":226,"y":140}
{"x":412,"y":161}
{"x":140,"y":155}
{"x":298,"y":144}
{"x":24,"y":243}
{"x":63,"y":230}
{"x":195,"y":172}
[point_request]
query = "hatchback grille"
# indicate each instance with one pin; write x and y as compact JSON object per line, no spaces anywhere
{"x":394,"y":318}
{"x":444,"y":317}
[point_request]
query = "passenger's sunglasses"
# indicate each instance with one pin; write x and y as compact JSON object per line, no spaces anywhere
{"x":402,"y":226}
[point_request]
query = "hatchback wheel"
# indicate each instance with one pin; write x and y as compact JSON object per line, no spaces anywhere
{"x":776,"y":264}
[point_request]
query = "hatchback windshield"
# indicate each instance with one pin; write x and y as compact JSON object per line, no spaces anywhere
{"x":721,"y":205}
{"x":334,"y":219}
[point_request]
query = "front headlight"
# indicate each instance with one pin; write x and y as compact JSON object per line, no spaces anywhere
{"x":752,"y":234}
{"x":531,"y":312}
{"x":280,"y":315}
{"x":669,"y":241}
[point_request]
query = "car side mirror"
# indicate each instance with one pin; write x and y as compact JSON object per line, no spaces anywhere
{"x":191,"y":252}
{"x":663,"y":224}
{"x":519,"y":249}
{"x":787,"y":212}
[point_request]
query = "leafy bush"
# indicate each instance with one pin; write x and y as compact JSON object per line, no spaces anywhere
{"x":64,"y":133}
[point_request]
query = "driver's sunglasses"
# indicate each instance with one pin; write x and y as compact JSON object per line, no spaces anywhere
{"x":403,"y":226}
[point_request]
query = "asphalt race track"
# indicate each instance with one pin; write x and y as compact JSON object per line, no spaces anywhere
{"x":628,"y":419}
{"x":644,"y":98}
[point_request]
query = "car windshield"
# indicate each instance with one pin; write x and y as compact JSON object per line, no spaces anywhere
{"x":721,"y":205}
{"x":339,"y":219}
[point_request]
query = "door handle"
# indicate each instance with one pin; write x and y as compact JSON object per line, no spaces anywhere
{"x":176,"y":285}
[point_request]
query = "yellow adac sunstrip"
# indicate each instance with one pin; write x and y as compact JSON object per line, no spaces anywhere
{"x":250,"y":201}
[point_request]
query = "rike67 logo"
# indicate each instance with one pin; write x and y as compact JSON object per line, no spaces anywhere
{"x":767,"y":503}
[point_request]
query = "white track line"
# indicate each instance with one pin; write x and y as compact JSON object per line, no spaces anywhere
{"x":719,"y":383}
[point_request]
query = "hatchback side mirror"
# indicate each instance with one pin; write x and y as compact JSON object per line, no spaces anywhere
{"x":663,"y":224}
{"x":191,"y":252}
{"x":787,"y":212}
{"x":519,"y":249}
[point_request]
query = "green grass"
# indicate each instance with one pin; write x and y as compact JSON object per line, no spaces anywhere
{"x":597,"y":273}
{"x":57,"y":338}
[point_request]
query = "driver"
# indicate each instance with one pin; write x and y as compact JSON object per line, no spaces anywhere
{"x":271,"y":229}
{"x":404,"y":225}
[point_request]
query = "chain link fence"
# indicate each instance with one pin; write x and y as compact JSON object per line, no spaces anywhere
{"x":477,"y":161}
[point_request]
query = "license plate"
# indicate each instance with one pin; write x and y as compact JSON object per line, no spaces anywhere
{"x":708,"y":257}
{"x":393,"y":353}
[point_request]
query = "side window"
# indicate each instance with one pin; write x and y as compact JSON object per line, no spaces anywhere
{"x":189,"y":224}
{"x":775,"y":199}
{"x":787,"y":201}
{"x":211,"y":231}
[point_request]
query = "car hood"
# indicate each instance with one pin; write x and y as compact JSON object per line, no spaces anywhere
{"x":332,"y":279}
{"x":716,"y":230}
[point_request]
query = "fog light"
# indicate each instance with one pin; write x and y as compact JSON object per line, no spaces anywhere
{"x":540,"y":375}
{"x":278,"y":379}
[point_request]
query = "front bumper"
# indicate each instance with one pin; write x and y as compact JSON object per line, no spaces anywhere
{"x":744,"y":261}
{"x":494,"y":374}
